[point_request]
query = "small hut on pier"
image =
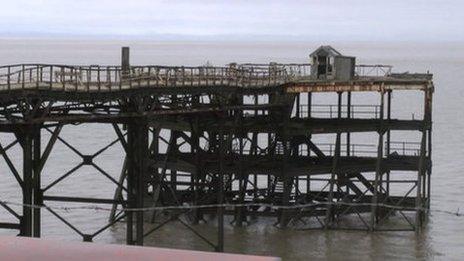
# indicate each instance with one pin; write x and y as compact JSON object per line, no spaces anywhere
{"x":329,"y":64}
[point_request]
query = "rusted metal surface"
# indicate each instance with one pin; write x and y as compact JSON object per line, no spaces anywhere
{"x":369,"y":84}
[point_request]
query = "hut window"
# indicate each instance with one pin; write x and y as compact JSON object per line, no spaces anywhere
{"x":321,"y":65}
{"x":330,"y":65}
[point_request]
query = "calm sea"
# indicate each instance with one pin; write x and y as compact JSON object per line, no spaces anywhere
{"x":442,"y":238}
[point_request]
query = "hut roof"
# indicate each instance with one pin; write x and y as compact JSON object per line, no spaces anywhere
{"x":327,"y":50}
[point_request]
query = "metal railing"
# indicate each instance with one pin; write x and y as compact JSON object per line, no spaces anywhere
{"x":331,"y":111}
{"x":353,"y":149}
{"x":375,"y":70}
{"x":293,"y":70}
{"x":109,"y":78}
{"x":397,"y":148}
{"x":404,"y":148}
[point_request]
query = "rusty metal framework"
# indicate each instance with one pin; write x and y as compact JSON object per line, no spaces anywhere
{"x":238,"y":138}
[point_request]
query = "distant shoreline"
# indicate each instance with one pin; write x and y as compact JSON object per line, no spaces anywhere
{"x":258,"y":39}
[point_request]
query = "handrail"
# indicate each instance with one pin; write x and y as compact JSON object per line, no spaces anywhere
{"x":400,"y":148}
{"x":94,"y":77}
{"x":111,"y":77}
{"x":354,"y":149}
{"x":404,"y":147}
{"x":331,"y":110}
{"x":373,"y":70}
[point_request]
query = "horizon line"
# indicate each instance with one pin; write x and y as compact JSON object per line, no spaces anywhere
{"x":217,"y":37}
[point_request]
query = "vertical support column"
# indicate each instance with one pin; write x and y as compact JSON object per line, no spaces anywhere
{"x":254,"y":148}
{"x":130,"y":185}
{"x":141,"y":177}
{"x":131,"y":141}
{"x":195,"y":181}
{"x":137,"y":177}
{"x":428,"y":117}
{"x":294,"y":147}
{"x":287,"y":180}
{"x":310,"y":98}
{"x":254,"y":151}
{"x":37,"y":192}
{"x":27,"y":218}
{"x":241,"y":215}
{"x":329,"y":209}
{"x":155,"y":174}
{"x":387,"y":144}
{"x":379,"y":164}
{"x":423,"y":166}
{"x":175,"y":150}
{"x":271,"y":145}
{"x":348,"y":115}
{"x":285,"y":176}
{"x":420,"y":175}
{"x":348,"y":136}
{"x":335,"y":170}
{"x":220,"y":196}
{"x":29,"y":138}
{"x":242,"y":183}
{"x":270,"y":154}
{"x":429,"y":169}
{"x":308,"y":177}
{"x":174,"y":153}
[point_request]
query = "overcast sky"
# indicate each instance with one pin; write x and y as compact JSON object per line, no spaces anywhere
{"x":317,"y":19}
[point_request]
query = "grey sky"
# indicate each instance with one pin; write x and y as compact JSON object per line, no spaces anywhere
{"x":329,"y":19}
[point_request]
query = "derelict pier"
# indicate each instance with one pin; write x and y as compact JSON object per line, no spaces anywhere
{"x":239,"y":138}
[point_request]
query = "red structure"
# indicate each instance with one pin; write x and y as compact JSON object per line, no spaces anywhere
{"x":22,"y":248}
